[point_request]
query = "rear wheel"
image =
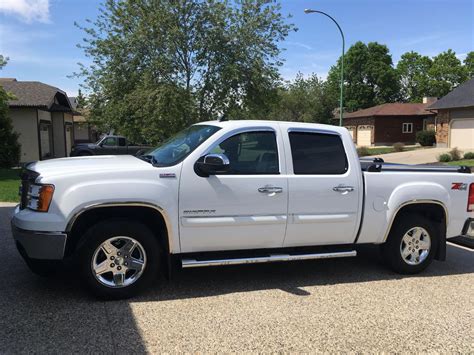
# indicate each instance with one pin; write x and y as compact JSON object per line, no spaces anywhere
{"x":118,"y":258}
{"x":411,"y":244}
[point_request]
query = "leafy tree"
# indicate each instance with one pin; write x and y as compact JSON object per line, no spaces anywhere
{"x":303,"y":100}
{"x":81,"y":100}
{"x":446,"y":73}
{"x":369,"y":77}
{"x":160,"y":65}
{"x":469,"y":64}
{"x":413,"y":71}
{"x":9,"y":147}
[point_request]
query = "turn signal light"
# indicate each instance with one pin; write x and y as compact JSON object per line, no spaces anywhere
{"x":470,"y":199}
{"x":45,"y":197}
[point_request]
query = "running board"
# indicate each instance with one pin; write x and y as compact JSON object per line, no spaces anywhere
{"x":265,"y":259}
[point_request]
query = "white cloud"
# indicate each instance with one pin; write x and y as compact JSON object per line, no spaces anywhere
{"x":27,"y":10}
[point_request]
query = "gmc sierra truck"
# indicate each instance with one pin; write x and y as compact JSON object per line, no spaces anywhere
{"x":235,"y":192}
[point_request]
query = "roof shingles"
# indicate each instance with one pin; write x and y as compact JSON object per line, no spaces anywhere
{"x":392,"y":109}
{"x":462,"y":96}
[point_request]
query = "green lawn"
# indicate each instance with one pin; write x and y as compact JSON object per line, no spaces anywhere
{"x":9,"y":183}
{"x":466,"y":162}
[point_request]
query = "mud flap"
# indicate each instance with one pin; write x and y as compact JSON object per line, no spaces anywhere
{"x":441,"y":251}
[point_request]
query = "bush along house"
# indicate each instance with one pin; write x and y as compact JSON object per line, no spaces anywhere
{"x":43,"y":117}
{"x":389,"y":123}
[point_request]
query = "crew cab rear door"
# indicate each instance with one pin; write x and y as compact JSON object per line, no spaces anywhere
{"x":325,"y":188}
{"x":245,"y":208}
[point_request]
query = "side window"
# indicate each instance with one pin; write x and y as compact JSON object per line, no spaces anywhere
{"x":122,"y":142}
{"x":317,"y":154}
{"x":110,"y":142}
{"x":251,"y":153}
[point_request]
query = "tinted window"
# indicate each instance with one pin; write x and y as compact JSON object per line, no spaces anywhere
{"x":122,"y":142}
{"x":317,"y":153}
{"x":251,"y":153}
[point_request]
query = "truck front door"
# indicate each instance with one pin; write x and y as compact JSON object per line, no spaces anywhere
{"x":246,"y":207}
{"x":325,"y":193}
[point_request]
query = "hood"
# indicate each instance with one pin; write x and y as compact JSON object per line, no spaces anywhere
{"x":89,"y":164}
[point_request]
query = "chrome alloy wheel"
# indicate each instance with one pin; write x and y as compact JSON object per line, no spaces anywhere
{"x":118,"y":262}
{"x":415,"y":246}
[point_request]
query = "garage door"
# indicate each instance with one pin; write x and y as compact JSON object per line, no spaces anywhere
{"x":364,"y":136}
{"x":462,"y":133}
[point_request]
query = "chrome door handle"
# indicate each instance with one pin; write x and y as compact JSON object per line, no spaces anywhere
{"x":342,"y":188}
{"x":270,"y":189}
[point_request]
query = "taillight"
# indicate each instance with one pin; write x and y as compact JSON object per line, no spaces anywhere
{"x":470,"y":199}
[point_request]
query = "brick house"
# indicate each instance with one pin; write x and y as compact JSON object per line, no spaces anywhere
{"x":42,"y":115}
{"x":389,"y":123}
{"x":454,"y":122}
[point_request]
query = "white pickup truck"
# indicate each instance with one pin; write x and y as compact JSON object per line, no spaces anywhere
{"x":235,"y":192}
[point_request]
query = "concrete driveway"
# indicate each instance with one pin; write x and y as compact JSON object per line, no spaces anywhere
{"x":418,"y":156}
{"x":345,"y":305}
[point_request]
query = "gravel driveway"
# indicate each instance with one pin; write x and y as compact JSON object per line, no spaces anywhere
{"x":342,"y":305}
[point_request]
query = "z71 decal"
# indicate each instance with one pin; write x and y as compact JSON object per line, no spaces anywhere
{"x":458,"y":186}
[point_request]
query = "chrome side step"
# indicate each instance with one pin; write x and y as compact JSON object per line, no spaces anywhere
{"x":265,"y":259}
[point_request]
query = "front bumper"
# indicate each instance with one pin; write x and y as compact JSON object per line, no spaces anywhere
{"x":468,"y":229}
{"x":39,"y":245}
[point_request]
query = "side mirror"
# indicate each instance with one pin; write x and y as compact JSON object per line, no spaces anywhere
{"x":212,"y":164}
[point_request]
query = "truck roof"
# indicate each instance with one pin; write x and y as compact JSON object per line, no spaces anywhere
{"x":284,"y":124}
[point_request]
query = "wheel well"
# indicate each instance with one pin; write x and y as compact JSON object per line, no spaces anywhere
{"x":146,"y":215}
{"x":432,"y":211}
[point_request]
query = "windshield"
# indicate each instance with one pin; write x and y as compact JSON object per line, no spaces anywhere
{"x":178,"y":147}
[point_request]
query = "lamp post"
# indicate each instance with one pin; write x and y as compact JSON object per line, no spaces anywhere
{"x":341,"y":98}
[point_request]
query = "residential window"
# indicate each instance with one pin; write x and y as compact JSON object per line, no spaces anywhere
{"x":317,"y":154}
{"x":250,"y":153}
{"x":407,"y":128}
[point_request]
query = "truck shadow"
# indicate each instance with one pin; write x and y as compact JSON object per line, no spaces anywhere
{"x":292,"y":277}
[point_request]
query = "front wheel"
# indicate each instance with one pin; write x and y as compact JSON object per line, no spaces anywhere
{"x":411,"y":244}
{"x":118,"y":258}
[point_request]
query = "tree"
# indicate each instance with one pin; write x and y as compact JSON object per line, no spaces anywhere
{"x":9,"y":147}
{"x":81,"y":100}
{"x":369,"y":77}
{"x":446,"y":73}
{"x":469,"y":64}
{"x":303,"y":100}
{"x":413,"y":71}
{"x":160,"y":65}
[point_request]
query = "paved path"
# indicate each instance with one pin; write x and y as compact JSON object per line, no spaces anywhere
{"x":418,"y":156}
{"x":345,"y":305}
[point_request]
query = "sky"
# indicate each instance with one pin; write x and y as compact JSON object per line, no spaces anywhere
{"x":41,"y":40}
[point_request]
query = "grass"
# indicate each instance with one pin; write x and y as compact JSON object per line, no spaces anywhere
{"x":466,"y":162}
{"x":9,"y":183}
{"x":386,"y":150}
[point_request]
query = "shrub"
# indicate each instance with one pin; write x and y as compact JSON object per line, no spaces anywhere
{"x":455,"y":154}
{"x":363,"y":151}
{"x":469,"y":155}
{"x":9,"y":146}
{"x":426,"y":138}
{"x":444,"y":158}
{"x":399,"y":147}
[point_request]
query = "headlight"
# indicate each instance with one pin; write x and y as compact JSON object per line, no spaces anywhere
{"x":39,"y":197}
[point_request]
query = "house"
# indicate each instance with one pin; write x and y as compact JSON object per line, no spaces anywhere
{"x":84,"y":132}
{"x":389,"y":123}
{"x":42,"y":115}
{"x":454,"y":123}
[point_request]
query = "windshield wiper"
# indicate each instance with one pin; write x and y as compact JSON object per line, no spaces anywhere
{"x":148,"y":158}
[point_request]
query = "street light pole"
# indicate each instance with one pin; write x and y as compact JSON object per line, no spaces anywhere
{"x":341,"y":98}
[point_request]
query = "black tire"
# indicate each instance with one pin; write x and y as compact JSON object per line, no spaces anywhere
{"x":44,"y":268}
{"x":101,"y":232}
{"x":391,"y":249}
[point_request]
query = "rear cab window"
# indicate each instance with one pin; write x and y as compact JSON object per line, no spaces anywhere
{"x":315,"y":153}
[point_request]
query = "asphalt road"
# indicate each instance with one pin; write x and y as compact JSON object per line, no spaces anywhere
{"x":352,"y":304}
